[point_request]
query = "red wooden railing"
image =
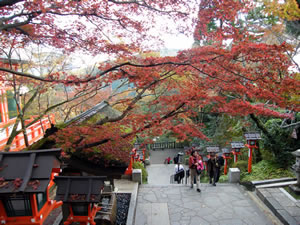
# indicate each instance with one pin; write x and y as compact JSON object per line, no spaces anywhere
{"x":34,"y":133}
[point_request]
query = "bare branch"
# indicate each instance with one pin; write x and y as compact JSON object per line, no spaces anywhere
{"x":291,"y":125}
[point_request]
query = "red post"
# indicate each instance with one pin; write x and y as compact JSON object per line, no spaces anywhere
{"x":144,"y":157}
{"x":250,"y":160}
{"x":225,"y":167}
{"x":129,"y":168}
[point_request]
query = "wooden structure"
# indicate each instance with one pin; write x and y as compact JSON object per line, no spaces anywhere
{"x":236,"y":149}
{"x":226,"y":156}
{"x":25,"y":181}
{"x":165,"y":145}
{"x":8,"y":114}
{"x":251,"y":138}
{"x":79,"y":195}
{"x":8,"y":111}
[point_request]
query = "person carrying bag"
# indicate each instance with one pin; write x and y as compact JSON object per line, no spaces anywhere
{"x":193,"y":164}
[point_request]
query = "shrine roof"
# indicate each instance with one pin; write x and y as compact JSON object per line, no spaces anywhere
{"x":252,"y":135}
{"x":237,"y":145}
{"x":83,"y":189}
{"x":212,"y":149}
{"x":27,"y":171}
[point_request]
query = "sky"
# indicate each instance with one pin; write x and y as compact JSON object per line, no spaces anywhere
{"x":172,"y":42}
{"x":179,"y":42}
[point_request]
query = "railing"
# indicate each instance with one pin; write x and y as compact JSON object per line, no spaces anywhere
{"x":34,"y":133}
{"x":165,"y":145}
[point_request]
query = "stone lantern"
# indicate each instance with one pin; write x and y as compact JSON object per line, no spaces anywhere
{"x":25,"y":181}
{"x":236,"y":149}
{"x":136,"y":145}
{"x":296,"y":167}
{"x":251,"y":138}
{"x":226,"y":156}
{"x":212,"y":150}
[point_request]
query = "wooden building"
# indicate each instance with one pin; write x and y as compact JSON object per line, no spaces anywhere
{"x":8,"y":114}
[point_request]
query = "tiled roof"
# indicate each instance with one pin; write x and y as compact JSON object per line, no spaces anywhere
{"x":27,"y":171}
{"x":212,"y":149}
{"x":252,"y":135}
{"x":237,"y":145}
{"x":79,"y":188}
{"x":226,"y":150}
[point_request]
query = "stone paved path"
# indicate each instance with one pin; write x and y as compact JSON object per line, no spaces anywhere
{"x":175,"y":204}
{"x":159,"y":174}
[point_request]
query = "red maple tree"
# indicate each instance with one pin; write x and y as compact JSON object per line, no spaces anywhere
{"x":241,"y":78}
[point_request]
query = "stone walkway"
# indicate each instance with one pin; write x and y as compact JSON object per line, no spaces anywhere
{"x":180,"y":205}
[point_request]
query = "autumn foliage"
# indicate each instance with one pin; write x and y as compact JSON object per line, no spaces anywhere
{"x":229,"y":69}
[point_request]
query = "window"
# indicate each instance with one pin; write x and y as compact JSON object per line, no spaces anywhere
{"x":41,"y":199}
{"x":11,"y":103}
{"x":80,"y":209}
{"x":17,"y":205}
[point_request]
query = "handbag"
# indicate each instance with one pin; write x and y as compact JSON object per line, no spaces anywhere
{"x":199,"y":168}
{"x":199,"y":171}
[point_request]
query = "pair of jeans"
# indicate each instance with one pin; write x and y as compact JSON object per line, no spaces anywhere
{"x":193,"y":173}
{"x":213,"y":177}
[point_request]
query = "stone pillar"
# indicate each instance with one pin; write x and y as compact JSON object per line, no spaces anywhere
{"x":234,"y":175}
{"x":296,"y":167}
{"x":137,"y":175}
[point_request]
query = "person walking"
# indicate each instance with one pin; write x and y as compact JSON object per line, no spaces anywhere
{"x":179,"y":173}
{"x":193,"y":163}
{"x":200,"y":167}
{"x":213,"y":169}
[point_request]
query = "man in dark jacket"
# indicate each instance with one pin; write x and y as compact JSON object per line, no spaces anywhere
{"x":213,"y":169}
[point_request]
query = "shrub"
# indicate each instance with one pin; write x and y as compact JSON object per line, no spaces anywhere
{"x":223,"y":179}
{"x":266,"y":170}
{"x":241,"y":164}
{"x":281,"y":144}
{"x":140,"y":165}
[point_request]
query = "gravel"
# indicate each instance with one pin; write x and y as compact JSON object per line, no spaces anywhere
{"x":123,"y":200}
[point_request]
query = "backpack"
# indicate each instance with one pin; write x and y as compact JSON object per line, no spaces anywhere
{"x":220,"y":160}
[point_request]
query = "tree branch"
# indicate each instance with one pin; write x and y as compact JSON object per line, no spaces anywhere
{"x":166,"y":116}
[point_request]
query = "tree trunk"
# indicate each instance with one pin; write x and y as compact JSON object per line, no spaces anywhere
{"x":263,"y":128}
{"x":12,"y":135}
{"x":24,"y":131}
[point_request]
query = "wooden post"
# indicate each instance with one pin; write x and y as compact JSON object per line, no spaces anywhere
{"x":250,"y":160}
{"x":225,"y":166}
{"x":33,"y":202}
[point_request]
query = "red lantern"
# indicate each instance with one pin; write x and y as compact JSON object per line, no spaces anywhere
{"x":251,"y":138}
{"x":236,"y":147}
